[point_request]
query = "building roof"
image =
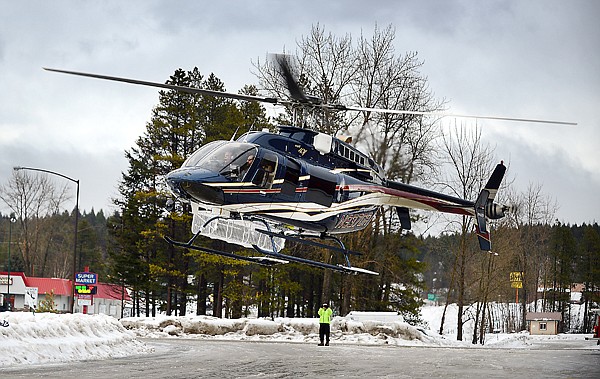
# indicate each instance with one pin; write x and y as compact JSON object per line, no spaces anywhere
{"x":543,"y":316}
{"x":111,"y":291}
{"x":46,"y":285}
{"x":63,"y":287}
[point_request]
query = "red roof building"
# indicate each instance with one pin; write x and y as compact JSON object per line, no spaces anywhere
{"x":112,"y":299}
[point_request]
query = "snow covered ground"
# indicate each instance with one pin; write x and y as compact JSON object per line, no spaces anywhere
{"x":44,"y":337}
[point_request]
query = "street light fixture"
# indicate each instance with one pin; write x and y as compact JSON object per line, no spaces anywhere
{"x":18,"y":168}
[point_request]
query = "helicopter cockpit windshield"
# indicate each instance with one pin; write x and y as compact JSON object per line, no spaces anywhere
{"x":230,"y":159}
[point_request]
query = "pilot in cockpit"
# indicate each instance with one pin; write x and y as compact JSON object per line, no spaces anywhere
{"x":227,"y":157}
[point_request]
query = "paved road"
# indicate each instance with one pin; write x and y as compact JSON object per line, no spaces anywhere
{"x":180,"y":358}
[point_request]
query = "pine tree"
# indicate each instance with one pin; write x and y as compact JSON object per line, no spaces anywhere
{"x":179,"y":125}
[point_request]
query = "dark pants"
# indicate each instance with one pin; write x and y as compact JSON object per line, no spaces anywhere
{"x":324,"y":332}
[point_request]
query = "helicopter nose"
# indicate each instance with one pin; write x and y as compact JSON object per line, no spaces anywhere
{"x":195,"y":184}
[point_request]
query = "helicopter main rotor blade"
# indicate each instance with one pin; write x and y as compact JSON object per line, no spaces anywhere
{"x":191,"y":90}
{"x":442,"y":114}
{"x":297,"y":95}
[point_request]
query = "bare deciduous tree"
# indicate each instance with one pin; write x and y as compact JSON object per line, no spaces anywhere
{"x":32,"y":198}
{"x":531,"y":210}
{"x":470,"y":162}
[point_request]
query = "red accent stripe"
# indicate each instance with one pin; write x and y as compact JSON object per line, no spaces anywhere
{"x":439,"y":205}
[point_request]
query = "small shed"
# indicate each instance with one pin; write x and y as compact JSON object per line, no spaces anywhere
{"x":543,"y":323}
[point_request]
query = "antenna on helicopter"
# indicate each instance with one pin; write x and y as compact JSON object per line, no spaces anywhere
{"x":234,"y":133}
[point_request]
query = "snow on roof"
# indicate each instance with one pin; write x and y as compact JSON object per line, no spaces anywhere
{"x":543,"y":316}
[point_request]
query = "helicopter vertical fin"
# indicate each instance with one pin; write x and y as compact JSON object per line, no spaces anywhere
{"x":486,"y":196}
{"x":404,"y":216}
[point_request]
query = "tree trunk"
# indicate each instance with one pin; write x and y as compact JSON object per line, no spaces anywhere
{"x":201,"y":295}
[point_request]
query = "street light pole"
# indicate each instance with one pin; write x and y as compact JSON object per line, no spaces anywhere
{"x":76,"y":181}
{"x":12,"y":220}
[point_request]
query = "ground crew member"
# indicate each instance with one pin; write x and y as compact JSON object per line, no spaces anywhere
{"x":324,"y":324}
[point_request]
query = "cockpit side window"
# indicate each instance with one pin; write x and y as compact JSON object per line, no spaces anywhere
{"x":239,"y":165}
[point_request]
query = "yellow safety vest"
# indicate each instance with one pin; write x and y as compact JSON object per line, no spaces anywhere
{"x":325,"y":315}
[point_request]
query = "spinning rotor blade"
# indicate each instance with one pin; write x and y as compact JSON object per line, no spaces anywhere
{"x":191,"y":90}
{"x":296,"y":93}
{"x":442,"y":114}
{"x":283,"y":63}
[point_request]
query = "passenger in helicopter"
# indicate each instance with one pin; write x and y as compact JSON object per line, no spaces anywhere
{"x":269,"y":170}
{"x":244,"y":167}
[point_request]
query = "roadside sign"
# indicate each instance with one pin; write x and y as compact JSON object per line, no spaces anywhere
{"x":516,"y":276}
{"x":84,"y":289}
{"x":84,"y":301}
{"x":86,"y":278}
{"x":31,"y":296}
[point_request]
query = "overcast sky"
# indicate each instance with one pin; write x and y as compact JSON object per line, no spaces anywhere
{"x":532,"y":59}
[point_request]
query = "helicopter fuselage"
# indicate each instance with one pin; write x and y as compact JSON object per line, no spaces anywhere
{"x":299,"y":178}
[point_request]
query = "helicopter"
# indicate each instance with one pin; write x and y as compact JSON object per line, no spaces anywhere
{"x":302,"y":186}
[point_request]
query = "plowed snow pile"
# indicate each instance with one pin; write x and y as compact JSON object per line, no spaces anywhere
{"x":53,"y":338}
{"x":282,"y":329}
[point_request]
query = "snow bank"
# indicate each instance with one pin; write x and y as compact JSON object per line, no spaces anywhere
{"x":281,"y":329}
{"x":52,"y":338}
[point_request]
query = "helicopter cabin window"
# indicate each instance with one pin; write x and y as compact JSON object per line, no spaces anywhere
{"x":291,"y":179}
{"x":265,"y":173}
{"x":321,"y":187}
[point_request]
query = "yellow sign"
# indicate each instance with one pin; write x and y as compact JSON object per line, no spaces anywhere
{"x":516,"y":276}
{"x":516,"y":284}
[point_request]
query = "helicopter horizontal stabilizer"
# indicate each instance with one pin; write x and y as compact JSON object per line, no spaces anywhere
{"x":404,"y":215}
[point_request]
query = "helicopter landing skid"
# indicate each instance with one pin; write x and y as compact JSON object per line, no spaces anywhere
{"x":309,"y":262}
{"x":346,"y":269}
{"x":265,"y":261}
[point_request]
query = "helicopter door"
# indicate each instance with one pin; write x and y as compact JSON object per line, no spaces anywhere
{"x":265,"y":173}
